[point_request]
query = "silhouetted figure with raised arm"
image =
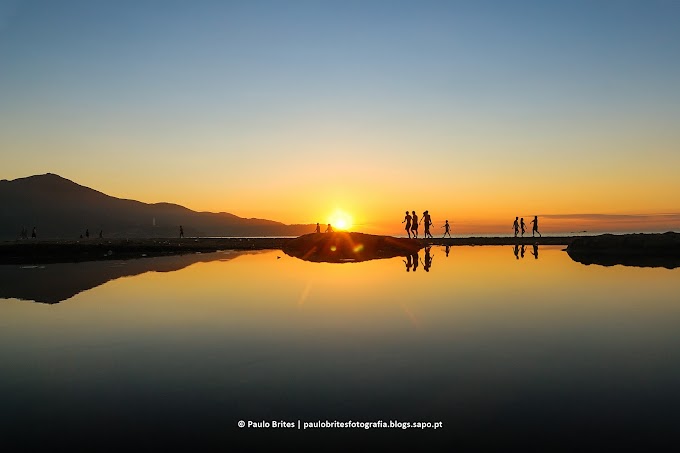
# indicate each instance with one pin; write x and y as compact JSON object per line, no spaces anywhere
{"x":535,"y":251}
{"x":524,"y":249}
{"x":329,"y":228}
{"x":414,"y":225}
{"x":427,"y":221}
{"x":407,"y":220}
{"x":515,"y":226}
{"x":523,"y":226}
{"x":408,"y":263}
{"x":318,"y":228}
{"x":535,"y":227}
{"x":516,"y":251}
{"x":447,"y":229}
{"x":181,"y":231}
{"x":34,"y":234}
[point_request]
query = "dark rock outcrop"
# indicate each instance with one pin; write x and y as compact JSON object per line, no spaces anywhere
{"x":642,"y":250}
{"x":349,"y":247}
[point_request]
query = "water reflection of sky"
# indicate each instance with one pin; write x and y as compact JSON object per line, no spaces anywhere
{"x":483,"y":338}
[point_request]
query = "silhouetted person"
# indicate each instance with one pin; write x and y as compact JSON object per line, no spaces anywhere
{"x":515,"y":226}
{"x":408,"y":263}
{"x":34,"y":234}
{"x":329,"y":229}
{"x":447,"y":229}
{"x":414,"y":225}
{"x":181,"y":231}
{"x":535,"y":251}
{"x":524,"y":248}
{"x":427,"y":221}
{"x":101,"y":234}
{"x":447,"y":250}
{"x":318,"y":228}
{"x":535,"y":227}
{"x":87,"y":233}
{"x":516,"y":251}
{"x":428,"y":260}
{"x":522,"y":226}
{"x":415,"y":258}
{"x":407,"y":220}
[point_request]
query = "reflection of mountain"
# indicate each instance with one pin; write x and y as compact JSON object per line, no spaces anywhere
{"x":349,"y":247}
{"x":54,"y":283}
{"x":60,"y":208}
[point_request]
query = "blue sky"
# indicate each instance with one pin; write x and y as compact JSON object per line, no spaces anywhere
{"x":467,"y":84}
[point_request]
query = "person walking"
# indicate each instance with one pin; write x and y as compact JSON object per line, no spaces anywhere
{"x":318,"y":228}
{"x":447,"y":229}
{"x":523,"y":226}
{"x":34,"y":234}
{"x":427,"y":221}
{"x":414,"y":225}
{"x":515,"y":226}
{"x":181,"y":231}
{"x":535,"y":227}
{"x":407,"y":220}
{"x":329,"y":229}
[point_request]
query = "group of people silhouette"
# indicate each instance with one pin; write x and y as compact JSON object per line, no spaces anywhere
{"x":329,"y":228}
{"x":520,"y":252}
{"x":412,"y":223}
{"x":87,"y":234}
{"x":517,"y":225}
{"x":413,"y":259}
{"x":24,"y":233}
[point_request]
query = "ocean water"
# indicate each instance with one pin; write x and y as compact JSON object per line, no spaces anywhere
{"x":484,"y":344}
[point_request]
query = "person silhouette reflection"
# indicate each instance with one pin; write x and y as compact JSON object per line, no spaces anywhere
{"x":408,"y":263}
{"x":428,"y":259}
{"x":535,"y":251}
{"x":521,"y":252}
{"x":447,"y":249}
{"x":516,"y":251}
{"x":416,"y":258}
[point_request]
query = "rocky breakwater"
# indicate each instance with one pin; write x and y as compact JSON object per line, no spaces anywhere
{"x":642,"y":250}
{"x":344,"y":247}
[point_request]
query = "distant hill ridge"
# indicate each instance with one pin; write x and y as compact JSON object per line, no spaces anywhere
{"x":62,"y":209}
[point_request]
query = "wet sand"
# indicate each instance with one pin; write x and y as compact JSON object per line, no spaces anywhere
{"x":61,"y":251}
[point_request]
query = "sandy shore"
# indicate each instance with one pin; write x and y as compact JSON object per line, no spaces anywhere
{"x":54,"y":251}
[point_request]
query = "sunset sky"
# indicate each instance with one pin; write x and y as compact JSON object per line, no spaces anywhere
{"x":478,"y":111}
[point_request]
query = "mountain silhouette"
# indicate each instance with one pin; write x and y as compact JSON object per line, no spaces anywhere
{"x":61,"y":209}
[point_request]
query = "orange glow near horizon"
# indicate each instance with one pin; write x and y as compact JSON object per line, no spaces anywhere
{"x":340,"y":220}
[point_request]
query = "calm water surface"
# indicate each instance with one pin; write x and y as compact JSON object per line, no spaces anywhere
{"x":482,"y":340}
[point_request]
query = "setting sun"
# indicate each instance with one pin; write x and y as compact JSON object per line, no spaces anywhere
{"x":340,"y":220}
